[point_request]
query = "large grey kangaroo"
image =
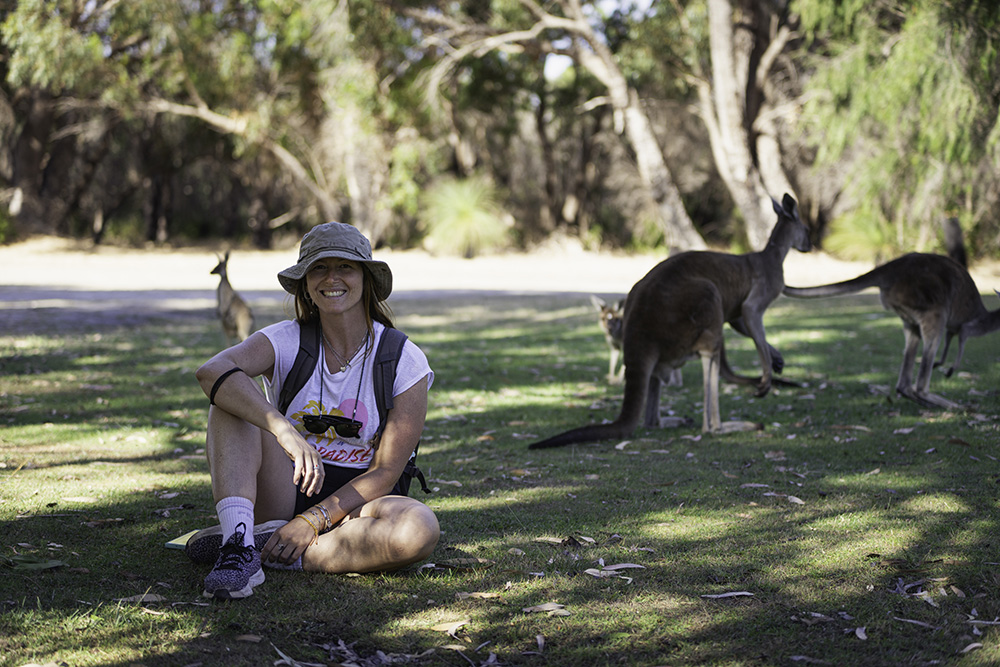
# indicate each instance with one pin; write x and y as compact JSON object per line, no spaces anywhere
{"x":677,"y":312}
{"x":611,"y":318}
{"x":936,"y":298}
{"x":233,"y":311}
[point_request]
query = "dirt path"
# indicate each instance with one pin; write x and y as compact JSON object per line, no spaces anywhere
{"x":45,"y":280}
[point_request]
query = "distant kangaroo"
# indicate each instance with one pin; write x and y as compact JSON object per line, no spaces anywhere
{"x":677,"y":311}
{"x":936,"y":298}
{"x":233,"y":311}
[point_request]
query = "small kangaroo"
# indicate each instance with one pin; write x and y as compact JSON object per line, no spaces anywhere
{"x":677,"y":312}
{"x":233,"y":311}
{"x":936,"y":298}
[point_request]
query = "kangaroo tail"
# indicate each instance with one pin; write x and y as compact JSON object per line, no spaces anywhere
{"x":870,"y":279}
{"x":590,"y":433}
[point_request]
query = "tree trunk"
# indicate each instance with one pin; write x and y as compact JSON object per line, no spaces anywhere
{"x":727,"y":111}
{"x":631,"y":118}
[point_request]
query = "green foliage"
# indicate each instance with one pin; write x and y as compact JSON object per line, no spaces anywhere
{"x":897,"y":95}
{"x":463,"y":217}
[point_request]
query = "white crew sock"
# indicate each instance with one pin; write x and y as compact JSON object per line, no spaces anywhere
{"x":233,"y":511}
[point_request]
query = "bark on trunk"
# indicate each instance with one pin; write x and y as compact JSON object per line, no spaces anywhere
{"x":729,"y":100}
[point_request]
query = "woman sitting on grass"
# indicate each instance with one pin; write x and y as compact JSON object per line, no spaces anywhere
{"x":295,"y":492}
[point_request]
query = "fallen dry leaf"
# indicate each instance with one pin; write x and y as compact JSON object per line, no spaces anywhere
{"x":483,"y":596}
{"x":253,"y":639}
{"x":860,"y":633}
{"x":971,"y":647}
{"x":451,"y":627}
{"x":920,"y":623}
{"x":623,"y":566}
{"x":551,"y":608}
{"x":147,"y":597}
{"x":594,"y":572}
{"x":731,"y":594}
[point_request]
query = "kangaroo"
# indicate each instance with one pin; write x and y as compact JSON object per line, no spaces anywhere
{"x":936,"y":298}
{"x":233,"y":311}
{"x":611,"y":321}
{"x":677,"y":312}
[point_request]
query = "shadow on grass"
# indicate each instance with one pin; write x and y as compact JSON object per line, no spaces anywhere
{"x":886,"y":492}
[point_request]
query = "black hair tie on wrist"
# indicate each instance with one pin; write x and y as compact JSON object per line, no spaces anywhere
{"x":218,"y":383}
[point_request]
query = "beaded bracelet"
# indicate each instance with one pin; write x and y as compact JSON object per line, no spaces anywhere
{"x":311,"y":525}
{"x":319,"y":518}
{"x":326,"y":516}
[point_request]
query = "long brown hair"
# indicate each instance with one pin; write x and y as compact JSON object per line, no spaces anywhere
{"x":375,"y":310}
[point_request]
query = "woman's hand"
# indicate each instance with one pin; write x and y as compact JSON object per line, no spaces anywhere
{"x":308,"y":472}
{"x":289,"y":542}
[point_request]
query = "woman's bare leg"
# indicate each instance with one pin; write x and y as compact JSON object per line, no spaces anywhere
{"x":385,"y":534}
{"x":234,"y":455}
{"x":247,"y":462}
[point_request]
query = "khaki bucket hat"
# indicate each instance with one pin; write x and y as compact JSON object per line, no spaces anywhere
{"x":336,"y":239}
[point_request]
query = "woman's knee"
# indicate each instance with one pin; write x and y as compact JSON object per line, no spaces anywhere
{"x":416,"y":532}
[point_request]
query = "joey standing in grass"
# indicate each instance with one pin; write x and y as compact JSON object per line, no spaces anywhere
{"x":677,"y":311}
{"x":937,"y":299}
{"x":234,"y":313}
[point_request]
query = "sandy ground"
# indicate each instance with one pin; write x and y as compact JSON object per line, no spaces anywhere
{"x":44,"y":275}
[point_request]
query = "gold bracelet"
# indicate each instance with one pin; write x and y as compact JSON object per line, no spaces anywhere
{"x":311,"y":525}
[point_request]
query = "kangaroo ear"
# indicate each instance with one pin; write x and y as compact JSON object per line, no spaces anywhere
{"x":597,"y":301}
{"x":777,"y":206}
{"x":788,"y":203}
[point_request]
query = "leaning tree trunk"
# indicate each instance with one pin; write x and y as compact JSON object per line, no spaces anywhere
{"x":732,"y":131}
{"x":631,"y":118}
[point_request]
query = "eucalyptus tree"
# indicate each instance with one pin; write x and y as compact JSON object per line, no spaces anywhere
{"x":277,"y":80}
{"x":460,"y":34}
{"x":907,"y":93}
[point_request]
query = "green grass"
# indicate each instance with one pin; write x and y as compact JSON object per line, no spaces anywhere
{"x":849,"y":510}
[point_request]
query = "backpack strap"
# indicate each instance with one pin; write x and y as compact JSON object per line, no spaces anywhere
{"x":390,"y":349}
{"x":304,"y":364}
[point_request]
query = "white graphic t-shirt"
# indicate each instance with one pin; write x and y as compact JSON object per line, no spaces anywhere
{"x":349,"y":394}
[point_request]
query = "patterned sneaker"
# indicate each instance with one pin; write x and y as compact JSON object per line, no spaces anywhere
{"x":204,"y":547}
{"x":236,"y":572}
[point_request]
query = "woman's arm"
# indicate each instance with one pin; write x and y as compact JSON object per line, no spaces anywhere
{"x":239,"y":395}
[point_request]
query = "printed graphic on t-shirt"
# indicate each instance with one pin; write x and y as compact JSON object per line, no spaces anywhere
{"x":332,"y":447}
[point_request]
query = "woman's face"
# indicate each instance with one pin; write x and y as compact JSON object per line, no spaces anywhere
{"x":336,"y":285}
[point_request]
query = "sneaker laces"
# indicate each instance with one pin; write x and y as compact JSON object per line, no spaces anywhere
{"x":234,"y":554}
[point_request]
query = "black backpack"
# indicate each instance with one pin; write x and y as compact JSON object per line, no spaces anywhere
{"x":387,"y":355}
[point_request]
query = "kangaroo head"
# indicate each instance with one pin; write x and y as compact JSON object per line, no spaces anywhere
{"x":610,"y":314}
{"x":220,"y":268}
{"x":790,"y":224}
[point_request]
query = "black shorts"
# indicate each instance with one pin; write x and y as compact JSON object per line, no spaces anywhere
{"x":336,"y":477}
